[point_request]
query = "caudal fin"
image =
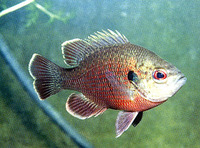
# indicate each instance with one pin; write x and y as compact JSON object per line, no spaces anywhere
{"x":47,"y":76}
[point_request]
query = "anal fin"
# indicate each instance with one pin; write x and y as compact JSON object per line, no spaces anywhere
{"x":81,"y":107}
{"x":125,"y":119}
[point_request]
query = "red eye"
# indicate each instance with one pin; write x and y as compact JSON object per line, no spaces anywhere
{"x":159,"y":75}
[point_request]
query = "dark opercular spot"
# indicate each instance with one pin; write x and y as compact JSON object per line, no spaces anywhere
{"x":132,"y":76}
{"x":137,"y":119}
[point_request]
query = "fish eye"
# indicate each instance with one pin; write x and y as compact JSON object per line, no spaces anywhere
{"x":159,"y":75}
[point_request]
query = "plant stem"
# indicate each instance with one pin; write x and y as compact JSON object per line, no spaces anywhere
{"x":16,"y":7}
{"x":51,"y":15}
{"x":27,"y":2}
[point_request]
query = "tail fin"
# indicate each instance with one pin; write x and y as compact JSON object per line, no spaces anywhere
{"x":47,"y":76}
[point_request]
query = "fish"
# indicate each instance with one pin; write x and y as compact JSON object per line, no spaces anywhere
{"x":107,"y":72}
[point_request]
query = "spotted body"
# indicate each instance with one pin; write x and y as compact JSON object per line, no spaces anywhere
{"x":105,"y":80}
{"x":110,"y":72}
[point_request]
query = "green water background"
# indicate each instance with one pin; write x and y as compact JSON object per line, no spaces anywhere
{"x":169,"y":28}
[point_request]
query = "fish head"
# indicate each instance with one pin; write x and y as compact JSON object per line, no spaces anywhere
{"x":158,"y":80}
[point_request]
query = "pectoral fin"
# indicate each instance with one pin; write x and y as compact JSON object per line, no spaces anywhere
{"x":118,"y":87}
{"x":125,"y":119}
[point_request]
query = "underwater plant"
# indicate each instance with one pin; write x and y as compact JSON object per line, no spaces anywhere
{"x":34,"y":15}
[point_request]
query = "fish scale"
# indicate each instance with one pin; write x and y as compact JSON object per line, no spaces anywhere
{"x":109,"y":72}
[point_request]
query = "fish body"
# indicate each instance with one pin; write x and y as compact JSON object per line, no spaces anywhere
{"x":105,"y":80}
{"x":109,"y":72}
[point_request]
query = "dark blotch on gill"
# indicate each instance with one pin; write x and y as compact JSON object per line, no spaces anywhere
{"x":133,"y":77}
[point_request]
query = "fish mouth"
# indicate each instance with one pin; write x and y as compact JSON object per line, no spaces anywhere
{"x":179,"y":82}
{"x":182,"y":78}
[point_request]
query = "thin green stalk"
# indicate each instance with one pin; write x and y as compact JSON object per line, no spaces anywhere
{"x":51,"y":15}
{"x":16,"y":7}
{"x":27,"y":2}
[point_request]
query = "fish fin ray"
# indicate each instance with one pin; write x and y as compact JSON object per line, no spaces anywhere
{"x":106,"y":38}
{"x":81,"y":107}
{"x":47,"y":76}
{"x":118,"y":86}
{"x":75,"y":50}
{"x":123,"y":122}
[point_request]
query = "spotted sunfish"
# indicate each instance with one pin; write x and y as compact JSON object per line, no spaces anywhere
{"x":110,"y":73}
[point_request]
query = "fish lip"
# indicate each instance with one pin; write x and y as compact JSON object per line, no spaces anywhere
{"x":182,"y":78}
{"x":180,"y":81}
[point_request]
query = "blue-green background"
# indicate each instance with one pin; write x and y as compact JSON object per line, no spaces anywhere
{"x":170,"y":28}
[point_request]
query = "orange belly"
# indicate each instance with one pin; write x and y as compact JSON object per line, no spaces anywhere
{"x":137,"y":104}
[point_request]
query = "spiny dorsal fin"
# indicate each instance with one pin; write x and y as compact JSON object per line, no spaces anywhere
{"x":81,"y":107}
{"x":76,"y":50}
{"x":106,"y":38}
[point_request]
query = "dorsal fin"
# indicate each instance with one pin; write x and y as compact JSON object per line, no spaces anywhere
{"x":106,"y":38}
{"x":76,"y":50}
